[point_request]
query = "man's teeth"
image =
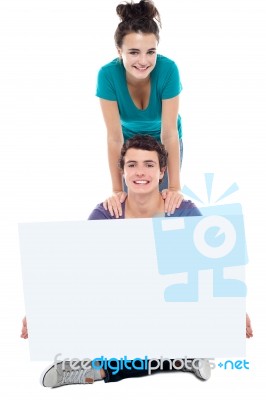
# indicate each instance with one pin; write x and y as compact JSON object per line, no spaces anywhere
{"x":141,"y":182}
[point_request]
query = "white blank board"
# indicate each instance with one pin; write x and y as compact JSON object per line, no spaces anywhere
{"x":93,"y":289}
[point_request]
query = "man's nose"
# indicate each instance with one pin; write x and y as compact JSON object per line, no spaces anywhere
{"x":139,"y":171}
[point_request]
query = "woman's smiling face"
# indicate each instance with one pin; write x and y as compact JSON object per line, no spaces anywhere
{"x":139,"y":54}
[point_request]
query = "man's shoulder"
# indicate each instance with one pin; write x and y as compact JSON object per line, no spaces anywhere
{"x":187,"y":209}
{"x":99,"y":212}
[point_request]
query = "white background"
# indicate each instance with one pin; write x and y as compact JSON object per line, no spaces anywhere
{"x":53,"y":151}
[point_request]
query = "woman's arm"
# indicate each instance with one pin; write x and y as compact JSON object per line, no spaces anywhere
{"x":169,"y":137}
{"x":114,"y":143}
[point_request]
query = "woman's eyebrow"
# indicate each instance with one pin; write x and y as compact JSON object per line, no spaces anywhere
{"x":133,"y":49}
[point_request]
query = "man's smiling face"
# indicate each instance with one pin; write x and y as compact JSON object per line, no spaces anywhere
{"x":142,"y":171}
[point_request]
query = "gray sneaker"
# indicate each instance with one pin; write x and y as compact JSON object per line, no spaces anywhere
{"x":202,"y":369}
{"x":61,"y":374}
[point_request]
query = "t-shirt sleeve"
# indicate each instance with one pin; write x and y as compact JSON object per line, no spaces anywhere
{"x":99,"y":213}
{"x":172,"y":84}
{"x":105,"y":85}
{"x":187,"y":209}
{"x":193,"y":212}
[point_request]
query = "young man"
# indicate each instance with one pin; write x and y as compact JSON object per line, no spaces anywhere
{"x":142,"y":162}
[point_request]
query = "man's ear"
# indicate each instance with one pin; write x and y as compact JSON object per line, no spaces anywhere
{"x":162,"y":172}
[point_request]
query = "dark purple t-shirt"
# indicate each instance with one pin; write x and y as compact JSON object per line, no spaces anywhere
{"x":186,"y":209}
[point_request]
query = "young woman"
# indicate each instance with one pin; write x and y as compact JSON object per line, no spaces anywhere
{"x":139,"y":94}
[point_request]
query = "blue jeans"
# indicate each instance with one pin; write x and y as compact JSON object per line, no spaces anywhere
{"x":164,"y":183}
{"x":125,"y":373}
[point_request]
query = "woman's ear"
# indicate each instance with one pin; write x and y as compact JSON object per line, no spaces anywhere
{"x":119,"y":52}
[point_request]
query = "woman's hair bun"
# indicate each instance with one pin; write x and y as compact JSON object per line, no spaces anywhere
{"x":143,"y":9}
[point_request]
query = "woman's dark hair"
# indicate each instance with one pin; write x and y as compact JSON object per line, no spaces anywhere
{"x":144,"y":142}
{"x":137,"y":17}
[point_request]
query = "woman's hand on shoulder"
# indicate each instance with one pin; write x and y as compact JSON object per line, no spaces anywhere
{"x":113,"y":203}
{"x":172,"y":200}
{"x":24,"y":330}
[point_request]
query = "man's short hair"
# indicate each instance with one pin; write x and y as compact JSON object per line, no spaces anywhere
{"x":144,"y":142}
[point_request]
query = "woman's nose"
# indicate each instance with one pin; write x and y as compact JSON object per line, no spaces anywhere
{"x":142,"y":59}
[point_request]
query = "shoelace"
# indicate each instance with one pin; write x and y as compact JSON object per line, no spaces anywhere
{"x":70,"y":377}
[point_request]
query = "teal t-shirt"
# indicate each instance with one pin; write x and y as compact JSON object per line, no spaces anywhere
{"x":165,"y":84}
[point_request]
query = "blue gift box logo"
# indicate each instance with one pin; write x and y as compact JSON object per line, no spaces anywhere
{"x":215,"y":240}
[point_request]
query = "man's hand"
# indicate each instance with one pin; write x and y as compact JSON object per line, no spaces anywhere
{"x":172,"y":200}
{"x":249,"y":331}
{"x":24,"y":330}
{"x":113,"y":203}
